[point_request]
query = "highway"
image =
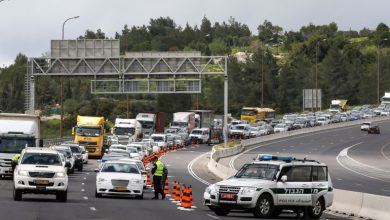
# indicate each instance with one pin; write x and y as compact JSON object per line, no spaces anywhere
{"x":365,"y":169}
{"x":186,"y":166}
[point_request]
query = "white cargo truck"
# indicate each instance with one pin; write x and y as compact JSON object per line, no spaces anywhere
{"x":16,"y":132}
{"x":126,"y":131}
{"x":184,"y":120}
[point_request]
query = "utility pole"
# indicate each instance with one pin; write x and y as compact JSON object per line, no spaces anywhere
{"x":262,"y":79}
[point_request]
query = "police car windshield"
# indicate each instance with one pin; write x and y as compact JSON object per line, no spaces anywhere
{"x":257,"y":171}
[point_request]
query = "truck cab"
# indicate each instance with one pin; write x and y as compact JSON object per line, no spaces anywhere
{"x":16,"y":132}
{"x":90,"y":132}
{"x":126,"y":131}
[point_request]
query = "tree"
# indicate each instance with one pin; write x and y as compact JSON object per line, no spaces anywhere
{"x":269,"y":32}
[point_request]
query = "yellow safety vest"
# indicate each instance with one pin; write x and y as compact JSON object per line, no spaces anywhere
{"x":16,"y":157}
{"x":160,"y":169}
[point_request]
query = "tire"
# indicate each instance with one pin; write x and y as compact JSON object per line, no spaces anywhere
{"x":315,"y":212}
{"x":98,"y":195}
{"x":276,"y":212}
{"x":220,"y":211}
{"x":80,"y":168}
{"x":72,"y":170}
{"x":211,"y":207}
{"x":264,"y":207}
{"x":140,"y":197}
{"x":17,"y":194}
{"x":62,"y":196}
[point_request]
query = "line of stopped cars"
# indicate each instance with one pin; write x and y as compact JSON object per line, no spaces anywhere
{"x":45,"y":170}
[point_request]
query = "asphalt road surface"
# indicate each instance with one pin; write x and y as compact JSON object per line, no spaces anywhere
{"x":357,"y":161}
{"x":82,"y":203}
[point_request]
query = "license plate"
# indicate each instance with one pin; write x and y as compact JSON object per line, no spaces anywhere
{"x":120,"y":188}
{"x":41,"y":182}
{"x":228,"y":196}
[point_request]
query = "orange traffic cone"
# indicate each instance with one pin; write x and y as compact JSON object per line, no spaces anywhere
{"x":177,"y":197}
{"x":147,"y":179}
{"x":184,"y":197}
{"x":190,"y":197}
{"x":166,"y":187}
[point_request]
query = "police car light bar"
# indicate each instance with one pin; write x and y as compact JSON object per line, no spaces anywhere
{"x":265,"y":157}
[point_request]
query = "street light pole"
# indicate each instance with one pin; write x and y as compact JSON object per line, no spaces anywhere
{"x":262,"y":79}
{"x":378,"y":68}
{"x":62,"y":84}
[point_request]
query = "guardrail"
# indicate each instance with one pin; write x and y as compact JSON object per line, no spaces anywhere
{"x":347,"y":202}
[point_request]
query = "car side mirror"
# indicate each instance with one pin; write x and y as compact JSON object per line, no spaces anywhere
{"x":96,"y":170}
{"x":284,"y":178}
{"x":68,"y":165}
{"x":143,"y":172}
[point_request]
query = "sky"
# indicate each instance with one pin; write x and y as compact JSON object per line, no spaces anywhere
{"x":27,"y":26}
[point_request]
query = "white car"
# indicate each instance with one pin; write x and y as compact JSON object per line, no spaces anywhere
{"x":67,"y":152}
{"x":160,"y":139}
{"x":273,"y":184}
{"x":141,"y":167}
{"x":119,"y":178}
{"x":365,"y":126}
{"x":281,"y":127}
{"x":240,"y":131}
{"x":323,"y":120}
{"x":84,"y":153}
{"x":140,"y":149}
{"x":200,"y":134}
{"x":385,"y":112}
{"x":256,"y":132}
{"x":40,"y":171}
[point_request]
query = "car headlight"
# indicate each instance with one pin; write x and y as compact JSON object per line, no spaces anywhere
{"x":248,"y":190}
{"x":213,"y":188}
{"x":135,"y":181}
{"x":208,"y":190}
{"x":101,"y":179}
{"x":60,"y":174}
{"x":23,"y":173}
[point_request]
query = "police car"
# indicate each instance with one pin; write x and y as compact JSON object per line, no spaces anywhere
{"x":272,"y":184}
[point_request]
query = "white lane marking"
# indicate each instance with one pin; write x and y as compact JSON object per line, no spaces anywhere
{"x":193,"y":174}
{"x":168,"y":165}
{"x":82,"y":190}
{"x":85,"y":197}
{"x":87,"y":173}
{"x":171,"y":176}
{"x":92,"y":208}
{"x":212,"y":216}
{"x":359,"y":184}
{"x":85,"y":178}
{"x":284,"y":140}
{"x":339,"y":179}
{"x":345,"y":154}
{"x":82,"y":183}
{"x":385,"y":190}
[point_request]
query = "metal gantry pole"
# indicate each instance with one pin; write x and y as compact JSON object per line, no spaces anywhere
{"x":225,"y":105}
{"x":32,"y":95}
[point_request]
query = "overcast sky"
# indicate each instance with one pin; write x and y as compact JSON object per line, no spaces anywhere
{"x":27,"y":26}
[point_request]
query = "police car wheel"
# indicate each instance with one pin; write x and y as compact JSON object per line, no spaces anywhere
{"x":220,"y":211}
{"x":264,"y":206}
{"x":316,"y":210}
{"x":17,"y":195}
{"x":211,"y":207}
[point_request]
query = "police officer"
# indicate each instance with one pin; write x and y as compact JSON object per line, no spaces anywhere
{"x":15,"y":159}
{"x":158,"y":173}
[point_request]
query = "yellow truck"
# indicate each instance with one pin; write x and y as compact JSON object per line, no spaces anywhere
{"x":90,"y":132}
{"x":338,"y":105}
{"x":253,"y":114}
